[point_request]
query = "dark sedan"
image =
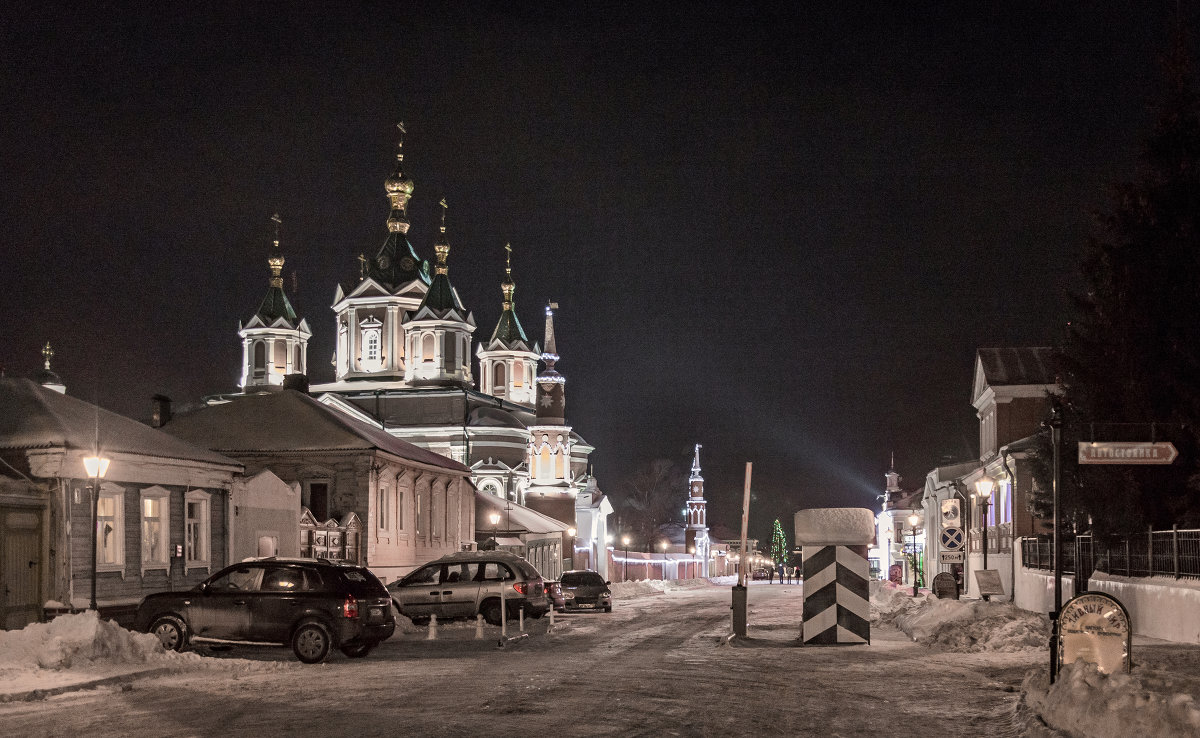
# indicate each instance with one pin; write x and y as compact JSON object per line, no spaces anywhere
{"x":584,"y":589}
{"x":312,"y":605}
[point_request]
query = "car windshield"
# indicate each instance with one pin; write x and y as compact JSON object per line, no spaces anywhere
{"x":582,"y":579}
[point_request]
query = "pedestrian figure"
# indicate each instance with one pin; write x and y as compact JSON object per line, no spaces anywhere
{"x":770,"y":576}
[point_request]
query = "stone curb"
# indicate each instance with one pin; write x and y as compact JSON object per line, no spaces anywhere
{"x":34,"y":695}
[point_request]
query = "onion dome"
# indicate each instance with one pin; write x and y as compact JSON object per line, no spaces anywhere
{"x":442,"y":297}
{"x":275,"y":304}
{"x":399,"y":190}
{"x":46,"y":377}
{"x":509,"y":332}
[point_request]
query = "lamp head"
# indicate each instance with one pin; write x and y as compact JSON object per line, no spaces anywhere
{"x":914,"y":519}
{"x":625,"y":540}
{"x":96,"y":466}
{"x":571,"y":532}
{"x":495,"y":518}
{"x":984,"y":486}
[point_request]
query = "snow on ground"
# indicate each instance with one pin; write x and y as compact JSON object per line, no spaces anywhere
{"x":1082,"y":701}
{"x":643,"y":587}
{"x":80,"y":648}
{"x":1156,"y":699}
{"x":958,"y":625}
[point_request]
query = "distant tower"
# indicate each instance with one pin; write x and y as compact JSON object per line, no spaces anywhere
{"x":550,"y":440}
{"x":46,"y":377}
{"x":507,"y":363}
{"x":275,"y":339}
{"x":696,"y":536}
{"x":439,"y":330}
{"x":892,"y":491}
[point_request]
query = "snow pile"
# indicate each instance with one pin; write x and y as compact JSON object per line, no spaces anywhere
{"x":80,"y":641}
{"x":842,"y":526}
{"x":958,"y":625}
{"x":1083,"y":701}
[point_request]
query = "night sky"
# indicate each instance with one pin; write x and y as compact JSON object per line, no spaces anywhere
{"x":779,"y":232}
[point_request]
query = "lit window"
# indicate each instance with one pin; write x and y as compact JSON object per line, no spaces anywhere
{"x":156,"y":529}
{"x":427,"y":347}
{"x":110,"y":531}
{"x":197,"y":530}
{"x":384,"y":510}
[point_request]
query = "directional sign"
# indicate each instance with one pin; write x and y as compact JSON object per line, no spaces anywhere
{"x":952,"y":538}
{"x":1122,"y":452}
{"x":955,"y":557}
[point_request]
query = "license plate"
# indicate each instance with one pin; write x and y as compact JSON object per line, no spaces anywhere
{"x":585,"y":607}
{"x":376,"y":613}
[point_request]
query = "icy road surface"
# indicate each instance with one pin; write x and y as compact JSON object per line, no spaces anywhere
{"x":655,"y":666}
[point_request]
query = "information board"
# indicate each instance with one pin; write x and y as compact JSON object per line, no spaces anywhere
{"x":945,"y":586}
{"x":988,"y":581}
{"x":1094,"y":627}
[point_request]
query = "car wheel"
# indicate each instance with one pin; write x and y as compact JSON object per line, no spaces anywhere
{"x":170,"y":631}
{"x":608,"y":609}
{"x":420,"y":622}
{"x":358,"y":651}
{"x":311,"y":643}
{"x":491,"y":612}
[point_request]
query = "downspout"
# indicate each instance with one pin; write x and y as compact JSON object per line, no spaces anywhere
{"x":1012,"y":539}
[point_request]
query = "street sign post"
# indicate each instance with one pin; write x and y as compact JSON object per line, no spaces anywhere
{"x":952,"y":557}
{"x":1125,"y":452}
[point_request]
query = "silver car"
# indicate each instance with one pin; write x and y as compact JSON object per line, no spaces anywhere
{"x":462,"y":585}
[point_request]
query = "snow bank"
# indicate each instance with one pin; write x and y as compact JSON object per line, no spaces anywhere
{"x":958,"y":625}
{"x":827,"y":526}
{"x":644,"y":587}
{"x":80,"y":641}
{"x":1085,"y":702}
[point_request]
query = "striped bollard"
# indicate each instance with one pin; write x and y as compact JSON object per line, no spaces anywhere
{"x":837,"y":608}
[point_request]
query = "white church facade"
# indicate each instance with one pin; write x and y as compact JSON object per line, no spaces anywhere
{"x":405,"y":361}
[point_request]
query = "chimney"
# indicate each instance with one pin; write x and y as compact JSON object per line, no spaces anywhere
{"x":298,"y":382}
{"x":160,"y":411}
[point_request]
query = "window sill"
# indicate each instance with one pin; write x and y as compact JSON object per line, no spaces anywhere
{"x":111,"y":569}
{"x":162,"y":566}
{"x":205,"y":565}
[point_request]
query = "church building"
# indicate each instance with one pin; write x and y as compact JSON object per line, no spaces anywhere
{"x":405,"y":363}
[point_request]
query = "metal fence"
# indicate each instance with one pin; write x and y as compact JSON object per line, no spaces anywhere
{"x":1153,"y":553}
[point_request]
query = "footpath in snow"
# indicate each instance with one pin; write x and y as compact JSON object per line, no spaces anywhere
{"x":1156,"y":699}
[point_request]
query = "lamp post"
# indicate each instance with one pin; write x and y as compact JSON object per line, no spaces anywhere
{"x":1055,"y":430}
{"x":96,"y":467}
{"x":984,"y":488}
{"x":912,"y":522}
{"x":625,"y":568}
{"x":495,"y":519}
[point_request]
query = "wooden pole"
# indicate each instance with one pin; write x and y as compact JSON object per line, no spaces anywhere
{"x":745,"y":525}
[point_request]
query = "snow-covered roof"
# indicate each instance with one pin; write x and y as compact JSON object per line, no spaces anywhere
{"x":518,"y":516}
{"x":292,"y":421}
{"x":32,"y":417}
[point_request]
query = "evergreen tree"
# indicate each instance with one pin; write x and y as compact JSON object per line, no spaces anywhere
{"x":1130,"y":366}
{"x":779,"y":545}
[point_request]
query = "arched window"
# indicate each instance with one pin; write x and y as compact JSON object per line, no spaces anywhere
{"x":519,"y":375}
{"x":280,"y":358}
{"x":560,"y":471}
{"x":260,"y":357}
{"x":427,"y":347}
{"x":298,"y":360}
{"x":498,"y":384}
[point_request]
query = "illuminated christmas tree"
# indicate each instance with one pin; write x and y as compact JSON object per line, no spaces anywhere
{"x":779,"y":545}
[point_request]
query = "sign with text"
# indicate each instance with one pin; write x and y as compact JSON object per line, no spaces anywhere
{"x":952,"y":557}
{"x":988,"y":581}
{"x":1122,"y":452}
{"x":1094,"y":627}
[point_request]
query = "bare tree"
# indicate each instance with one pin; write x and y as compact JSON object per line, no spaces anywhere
{"x":654,"y":496}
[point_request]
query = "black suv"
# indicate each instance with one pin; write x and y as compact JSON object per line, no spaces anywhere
{"x":311,"y":604}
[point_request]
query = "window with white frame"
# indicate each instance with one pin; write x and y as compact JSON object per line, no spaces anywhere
{"x":399,"y":509}
{"x":197,"y":529}
{"x":110,"y":530}
{"x":156,"y":528}
{"x":384,"y":512}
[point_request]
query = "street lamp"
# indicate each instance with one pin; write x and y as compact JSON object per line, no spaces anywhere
{"x":495,"y":518}
{"x":625,"y":569}
{"x":984,"y":488}
{"x":96,"y":467}
{"x":912,"y":522}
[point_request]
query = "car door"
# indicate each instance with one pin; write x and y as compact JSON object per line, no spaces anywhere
{"x":273,"y":609}
{"x":221,"y":610}
{"x":460,"y":591}
{"x":420,"y":593}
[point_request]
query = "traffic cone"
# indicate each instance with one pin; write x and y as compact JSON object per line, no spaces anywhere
{"x":432,"y":628}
